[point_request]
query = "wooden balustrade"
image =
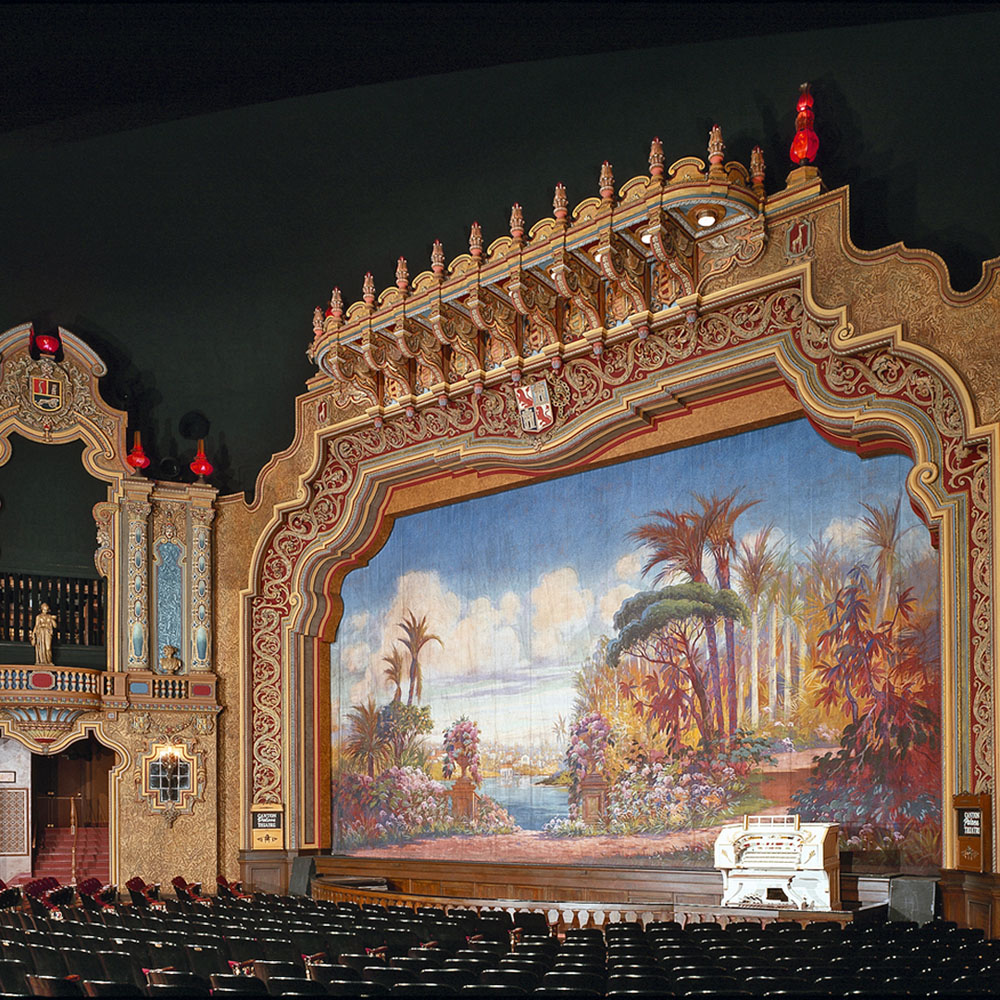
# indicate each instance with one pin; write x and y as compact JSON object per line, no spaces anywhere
{"x":77,"y":603}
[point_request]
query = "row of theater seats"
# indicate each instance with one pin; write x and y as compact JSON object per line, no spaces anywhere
{"x":296,"y":946}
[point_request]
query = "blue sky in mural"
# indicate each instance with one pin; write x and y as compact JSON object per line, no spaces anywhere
{"x":520,"y":586}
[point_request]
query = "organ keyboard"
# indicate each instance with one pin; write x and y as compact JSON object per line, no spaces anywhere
{"x":776,"y":861}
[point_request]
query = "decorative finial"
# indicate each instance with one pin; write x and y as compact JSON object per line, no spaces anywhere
{"x":805,"y":145}
{"x":757,"y":170}
{"x":560,"y":203}
{"x":201,"y":466}
{"x":137,"y":459}
{"x":368,"y":289}
{"x":317,"y":323}
{"x":606,"y":182}
{"x":437,"y":258}
{"x":716,"y":147}
{"x":656,"y":158}
{"x":476,"y":240}
{"x":716,"y":153}
{"x":516,"y":221}
{"x":337,"y":306}
{"x":402,"y":275}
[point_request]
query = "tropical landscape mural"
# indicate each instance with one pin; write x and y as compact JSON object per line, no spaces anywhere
{"x":609,"y":666}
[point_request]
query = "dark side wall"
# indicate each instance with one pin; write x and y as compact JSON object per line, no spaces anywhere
{"x":190,"y":255}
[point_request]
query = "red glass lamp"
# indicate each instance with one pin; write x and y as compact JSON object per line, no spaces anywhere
{"x":805,"y":145}
{"x":47,"y":343}
{"x":201,"y":466}
{"x":137,"y":458}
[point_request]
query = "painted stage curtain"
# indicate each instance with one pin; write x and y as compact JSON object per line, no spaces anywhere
{"x":607,"y":667}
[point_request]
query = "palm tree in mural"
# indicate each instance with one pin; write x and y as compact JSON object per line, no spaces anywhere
{"x":772,"y":600}
{"x":789,"y":621}
{"x":678,"y":545}
{"x":560,"y":728}
{"x":823,"y":573}
{"x":720,"y":514}
{"x":756,"y":566}
{"x":880,"y":531}
{"x":416,"y":637}
{"x":395,"y":671}
{"x":366,"y":744}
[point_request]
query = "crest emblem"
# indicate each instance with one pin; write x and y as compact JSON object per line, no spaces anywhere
{"x":799,"y":239}
{"x":534,"y":407}
{"x":46,"y":393}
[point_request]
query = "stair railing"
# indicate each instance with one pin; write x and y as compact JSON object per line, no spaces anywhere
{"x":52,"y":820}
{"x":72,"y":833}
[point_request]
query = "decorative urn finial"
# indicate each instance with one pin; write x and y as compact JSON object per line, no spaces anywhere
{"x":317,"y":323}
{"x":336,"y":306}
{"x":757,"y":170}
{"x":656,"y":158}
{"x":805,"y":145}
{"x":606,"y":182}
{"x":476,"y":240}
{"x":402,"y":275}
{"x":437,"y":258}
{"x":368,"y":289}
{"x":560,"y":203}
{"x":516,"y":222}
{"x":716,"y":152}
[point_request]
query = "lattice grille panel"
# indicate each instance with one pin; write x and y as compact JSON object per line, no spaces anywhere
{"x":13,"y":821}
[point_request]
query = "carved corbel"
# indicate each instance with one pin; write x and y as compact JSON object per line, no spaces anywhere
{"x":534,"y":300}
{"x":358,"y":382}
{"x":740,"y":245}
{"x":624,"y":268}
{"x":673,"y":251}
{"x":495,"y":316}
{"x":416,"y":341}
{"x":454,"y":329}
{"x":383,"y":354}
{"x":579,"y":284}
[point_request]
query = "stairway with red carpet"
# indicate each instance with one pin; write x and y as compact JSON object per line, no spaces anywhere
{"x":55,"y":853}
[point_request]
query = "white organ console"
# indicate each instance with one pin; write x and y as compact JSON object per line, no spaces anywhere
{"x":776,"y":861}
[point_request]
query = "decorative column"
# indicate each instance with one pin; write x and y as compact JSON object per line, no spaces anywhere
{"x":201,"y":512}
{"x":136,"y":508}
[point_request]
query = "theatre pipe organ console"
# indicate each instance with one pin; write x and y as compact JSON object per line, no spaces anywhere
{"x":776,"y":861}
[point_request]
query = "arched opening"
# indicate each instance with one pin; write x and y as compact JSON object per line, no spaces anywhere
{"x":71,"y":804}
{"x":47,"y":543}
{"x":482,"y":647}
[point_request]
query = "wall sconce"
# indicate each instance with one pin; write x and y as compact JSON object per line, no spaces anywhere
{"x":170,"y":778}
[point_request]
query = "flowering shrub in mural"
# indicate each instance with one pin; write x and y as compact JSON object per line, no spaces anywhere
{"x":461,"y":749}
{"x":403,"y":803}
{"x":696,"y":786}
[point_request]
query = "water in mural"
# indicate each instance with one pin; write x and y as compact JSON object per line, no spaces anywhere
{"x":609,"y":666}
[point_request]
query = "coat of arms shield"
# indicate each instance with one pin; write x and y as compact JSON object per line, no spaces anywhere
{"x":534,"y":407}
{"x":46,"y":393}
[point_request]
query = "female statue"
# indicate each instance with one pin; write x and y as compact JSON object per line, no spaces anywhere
{"x":41,"y":635}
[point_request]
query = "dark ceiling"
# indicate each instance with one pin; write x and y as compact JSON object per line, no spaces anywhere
{"x":73,"y":71}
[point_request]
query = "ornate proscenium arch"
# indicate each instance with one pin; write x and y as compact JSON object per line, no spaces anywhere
{"x":720,"y":322}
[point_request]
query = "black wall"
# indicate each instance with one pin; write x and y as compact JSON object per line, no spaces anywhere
{"x":190,"y":254}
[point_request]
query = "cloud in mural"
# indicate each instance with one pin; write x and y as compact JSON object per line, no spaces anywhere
{"x":479,"y":641}
{"x":358,"y":622}
{"x":561,"y":611}
{"x":629,"y":567}
{"x":612,"y":601}
{"x":846,"y":534}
